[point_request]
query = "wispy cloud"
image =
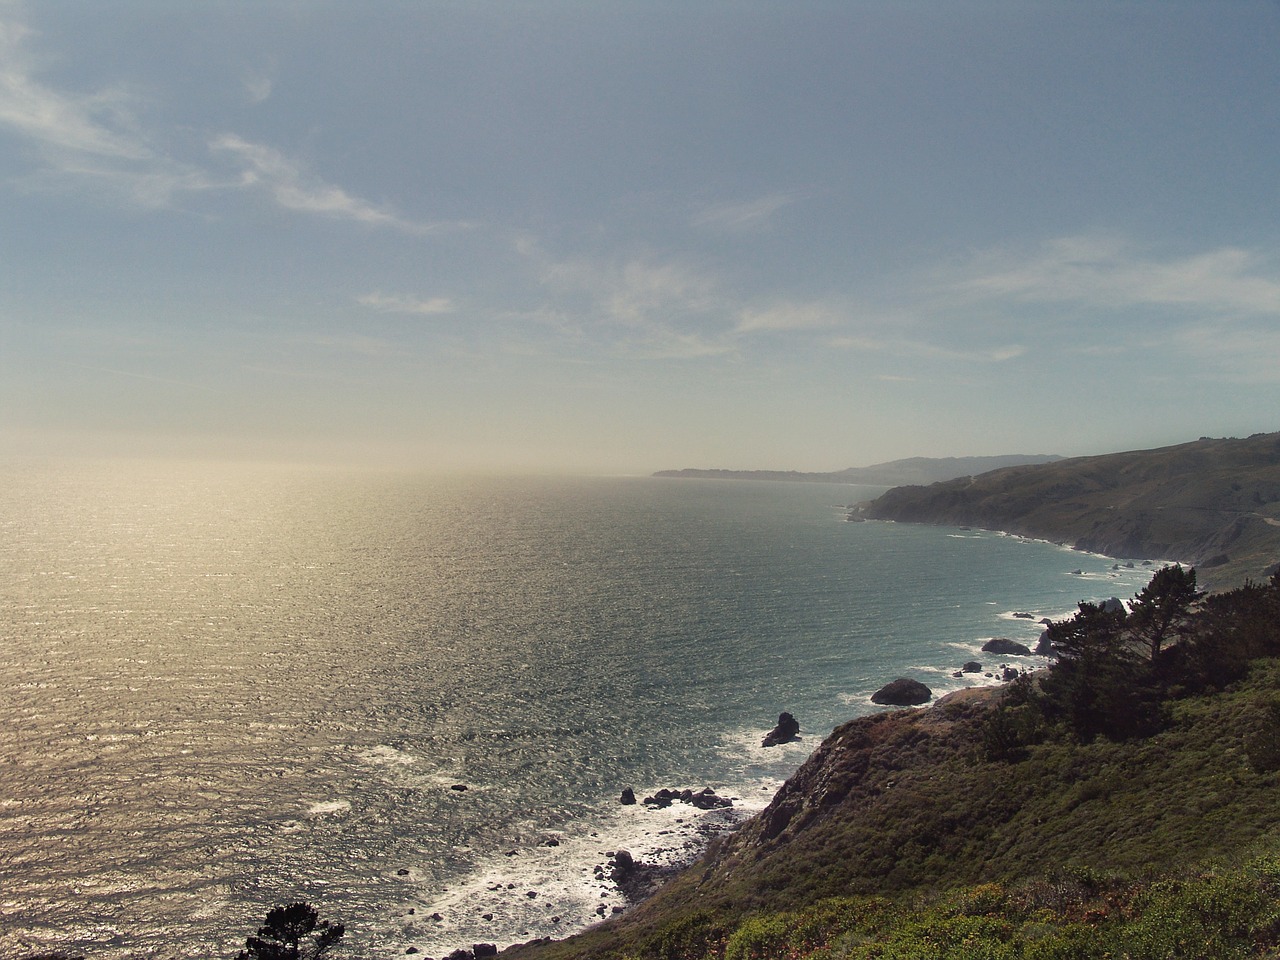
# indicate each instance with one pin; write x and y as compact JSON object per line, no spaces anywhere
{"x":790,"y":317}
{"x":1111,"y":273}
{"x":95,"y":143}
{"x":294,"y":188}
{"x":642,"y":307}
{"x":84,"y":140}
{"x":258,"y":85}
{"x":927,"y":349}
{"x":77,"y":124}
{"x":386,"y":304}
{"x":744,"y":215}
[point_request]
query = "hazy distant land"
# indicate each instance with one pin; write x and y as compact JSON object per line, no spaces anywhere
{"x":913,"y":470}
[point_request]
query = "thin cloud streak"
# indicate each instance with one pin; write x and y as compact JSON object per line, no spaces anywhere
{"x":1107,"y":273}
{"x":386,"y":304}
{"x":294,"y":189}
{"x":748,"y":215}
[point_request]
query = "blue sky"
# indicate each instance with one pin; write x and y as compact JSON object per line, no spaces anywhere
{"x":572,"y":236}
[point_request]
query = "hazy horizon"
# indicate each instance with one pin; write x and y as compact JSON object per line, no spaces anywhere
{"x":556,"y":237}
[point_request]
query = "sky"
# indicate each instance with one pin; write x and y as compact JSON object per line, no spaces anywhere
{"x":622,"y":237}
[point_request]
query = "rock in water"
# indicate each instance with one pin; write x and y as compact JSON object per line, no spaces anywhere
{"x":628,"y":796}
{"x":788,"y":729}
{"x":903,"y":692}
{"x":1006,"y":647}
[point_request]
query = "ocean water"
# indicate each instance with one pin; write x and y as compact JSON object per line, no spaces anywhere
{"x":224,"y":688}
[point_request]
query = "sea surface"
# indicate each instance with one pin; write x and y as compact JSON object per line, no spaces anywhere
{"x":224,"y":688}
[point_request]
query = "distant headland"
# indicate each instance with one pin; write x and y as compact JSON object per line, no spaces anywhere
{"x":914,"y":470}
{"x":1210,"y":503}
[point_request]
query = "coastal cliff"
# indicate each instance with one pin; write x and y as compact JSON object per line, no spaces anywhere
{"x":1212,"y":504}
{"x":901,"y":821}
{"x":1008,"y":822}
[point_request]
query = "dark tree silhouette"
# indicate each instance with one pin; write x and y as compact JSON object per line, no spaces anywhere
{"x":294,"y":932}
{"x":1163,"y":608}
{"x":1098,"y":687}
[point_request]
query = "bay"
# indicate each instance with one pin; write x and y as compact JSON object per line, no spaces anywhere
{"x":228,"y":687}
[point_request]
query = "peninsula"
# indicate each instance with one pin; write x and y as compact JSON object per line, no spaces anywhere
{"x":1212,"y":503}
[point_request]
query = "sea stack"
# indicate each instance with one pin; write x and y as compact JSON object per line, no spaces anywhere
{"x":788,"y":729}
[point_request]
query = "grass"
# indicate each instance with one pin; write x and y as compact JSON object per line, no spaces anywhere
{"x":898,"y":839}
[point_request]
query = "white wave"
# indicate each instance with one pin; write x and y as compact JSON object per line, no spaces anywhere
{"x":386,"y":755}
{"x":326,"y":807}
{"x":553,"y":888}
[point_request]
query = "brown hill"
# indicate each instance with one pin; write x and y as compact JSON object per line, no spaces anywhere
{"x":1214,"y":504}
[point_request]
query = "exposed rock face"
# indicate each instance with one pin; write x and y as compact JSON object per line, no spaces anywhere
{"x":859,"y":762}
{"x":903,"y":692}
{"x":1044,"y":648}
{"x":788,"y":729}
{"x":1006,"y":647}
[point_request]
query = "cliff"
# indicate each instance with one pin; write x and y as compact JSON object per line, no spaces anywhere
{"x":899,"y":814}
{"x":1213,"y":504}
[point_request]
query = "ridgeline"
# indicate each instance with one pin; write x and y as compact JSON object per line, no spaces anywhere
{"x":895,"y":472}
{"x":1211,"y":504}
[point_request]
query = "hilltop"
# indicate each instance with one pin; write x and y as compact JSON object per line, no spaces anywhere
{"x":914,"y":470}
{"x":1211,"y":503}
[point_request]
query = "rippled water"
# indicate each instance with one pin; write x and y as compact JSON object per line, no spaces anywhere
{"x":226,"y":688}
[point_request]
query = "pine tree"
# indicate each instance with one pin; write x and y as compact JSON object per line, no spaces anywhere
{"x":294,"y":932}
{"x":1164,"y":607}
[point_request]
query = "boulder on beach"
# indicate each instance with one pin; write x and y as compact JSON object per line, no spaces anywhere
{"x":1006,"y":647}
{"x":788,"y":729}
{"x":903,"y":692}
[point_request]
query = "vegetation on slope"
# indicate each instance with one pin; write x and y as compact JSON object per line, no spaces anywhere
{"x":1010,"y":823}
{"x":1214,"y":504}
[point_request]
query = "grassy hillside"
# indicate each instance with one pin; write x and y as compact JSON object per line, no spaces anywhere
{"x":1214,"y":504}
{"x":989,"y":826}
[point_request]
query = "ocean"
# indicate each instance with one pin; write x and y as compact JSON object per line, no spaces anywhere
{"x":414,"y":701}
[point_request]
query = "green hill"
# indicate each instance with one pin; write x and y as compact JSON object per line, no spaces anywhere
{"x":1009,"y":823}
{"x":1213,"y":504}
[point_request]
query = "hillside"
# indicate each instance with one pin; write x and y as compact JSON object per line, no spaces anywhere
{"x":914,"y":470}
{"x":1214,"y":504}
{"x":988,"y":826}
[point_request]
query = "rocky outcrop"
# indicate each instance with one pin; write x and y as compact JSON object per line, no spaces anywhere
{"x":1004,"y":647}
{"x":704,"y":799}
{"x":903,"y":692}
{"x":788,"y":729}
{"x":1044,"y":648}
